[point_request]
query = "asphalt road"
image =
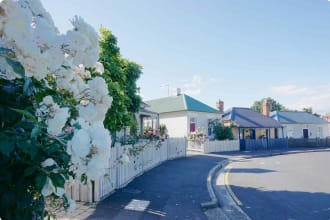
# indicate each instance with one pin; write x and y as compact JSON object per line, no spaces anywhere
{"x":292,"y":186}
{"x":173,"y":190}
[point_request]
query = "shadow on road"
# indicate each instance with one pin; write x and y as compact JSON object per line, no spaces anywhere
{"x":260,"y":204}
{"x":251,"y":170}
{"x":270,"y":153}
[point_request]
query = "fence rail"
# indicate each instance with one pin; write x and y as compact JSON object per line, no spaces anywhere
{"x":309,"y":142}
{"x":214,"y":146}
{"x":120,"y":174}
{"x":264,"y":144}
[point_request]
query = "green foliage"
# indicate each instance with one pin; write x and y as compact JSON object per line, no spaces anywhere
{"x":121,"y":76}
{"x":8,"y":56}
{"x":274,"y":105}
{"x":308,"y":110}
{"x":222,"y":133}
{"x":132,"y":72}
{"x":163,"y":130}
{"x":24,"y":145}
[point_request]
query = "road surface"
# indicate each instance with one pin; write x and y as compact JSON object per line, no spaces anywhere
{"x":291,"y":186}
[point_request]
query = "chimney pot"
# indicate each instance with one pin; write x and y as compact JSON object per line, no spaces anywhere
{"x":265,"y":108}
{"x":178,"y":91}
{"x":219,"y":106}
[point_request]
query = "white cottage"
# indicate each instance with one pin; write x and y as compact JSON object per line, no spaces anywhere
{"x":298,"y":124}
{"x":183,"y":114}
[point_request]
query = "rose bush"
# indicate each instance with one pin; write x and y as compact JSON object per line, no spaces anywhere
{"x":51,"y":110}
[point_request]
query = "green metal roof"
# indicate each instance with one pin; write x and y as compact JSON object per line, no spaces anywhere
{"x":179,"y":103}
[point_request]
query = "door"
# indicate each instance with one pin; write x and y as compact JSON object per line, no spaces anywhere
{"x":305,"y":133}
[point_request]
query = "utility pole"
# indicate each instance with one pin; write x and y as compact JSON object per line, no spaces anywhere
{"x":168,"y":88}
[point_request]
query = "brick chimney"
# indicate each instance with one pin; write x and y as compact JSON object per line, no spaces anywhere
{"x":178,"y":91}
{"x":265,"y":108}
{"x":219,"y":105}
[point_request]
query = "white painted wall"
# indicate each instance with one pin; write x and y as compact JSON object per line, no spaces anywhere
{"x":177,"y":123}
{"x":202,"y":119}
{"x":314,"y":130}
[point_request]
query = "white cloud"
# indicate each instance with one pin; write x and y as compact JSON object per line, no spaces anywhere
{"x":288,"y":90}
{"x":193,"y":87}
{"x":297,"y":98}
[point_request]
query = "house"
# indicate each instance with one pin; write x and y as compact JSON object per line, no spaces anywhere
{"x":183,"y":114}
{"x":299,"y":124}
{"x":255,"y":131}
{"x":327,"y":118}
{"x":249,"y":124}
{"x":146,"y":118}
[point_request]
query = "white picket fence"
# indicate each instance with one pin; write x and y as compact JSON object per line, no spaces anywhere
{"x":120,"y":174}
{"x":214,"y":146}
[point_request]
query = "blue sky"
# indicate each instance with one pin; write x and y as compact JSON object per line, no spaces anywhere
{"x":238,"y":51}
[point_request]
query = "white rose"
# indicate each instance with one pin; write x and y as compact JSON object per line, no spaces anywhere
{"x":81,"y":143}
{"x":99,"y":67}
{"x":48,"y":188}
{"x":56,"y":124}
{"x":48,"y":162}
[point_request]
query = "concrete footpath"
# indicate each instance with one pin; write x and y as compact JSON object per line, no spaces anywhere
{"x":173,"y":190}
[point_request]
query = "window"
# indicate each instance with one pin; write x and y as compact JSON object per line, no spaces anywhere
{"x":192,"y":126}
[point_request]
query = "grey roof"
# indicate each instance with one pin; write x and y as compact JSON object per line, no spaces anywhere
{"x":248,"y":118}
{"x":296,"y":117}
{"x":181,"y":102}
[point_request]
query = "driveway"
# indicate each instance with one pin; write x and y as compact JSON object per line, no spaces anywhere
{"x":290,"y":186}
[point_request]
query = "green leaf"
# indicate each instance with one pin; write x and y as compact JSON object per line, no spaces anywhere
{"x":24,"y":146}
{"x":52,"y":149}
{"x":28,"y":148}
{"x":57,"y":179}
{"x":17,"y":66}
{"x":30,"y":170}
{"x":5,"y":52}
{"x":6,"y":146}
{"x":40,"y":181}
{"x":26,"y":114}
{"x":35,"y":132}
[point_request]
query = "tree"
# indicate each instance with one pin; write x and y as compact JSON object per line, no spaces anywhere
{"x":121,"y":76}
{"x":222,"y":133}
{"x":132,"y":72}
{"x":310,"y":110}
{"x":274,"y":105}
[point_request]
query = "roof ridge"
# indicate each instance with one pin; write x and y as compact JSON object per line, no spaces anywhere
{"x":184,"y":101}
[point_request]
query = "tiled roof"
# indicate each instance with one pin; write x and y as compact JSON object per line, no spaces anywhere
{"x":296,"y":117}
{"x":179,"y":103}
{"x":247,"y":118}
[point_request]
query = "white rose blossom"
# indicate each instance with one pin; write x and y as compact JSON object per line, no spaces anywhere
{"x":28,"y":30}
{"x":48,"y":162}
{"x":96,"y":109}
{"x":48,"y":188}
{"x":56,"y":118}
{"x":90,"y":150}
